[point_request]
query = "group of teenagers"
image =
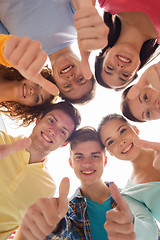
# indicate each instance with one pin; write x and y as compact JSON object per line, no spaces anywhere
{"x":128,"y":35}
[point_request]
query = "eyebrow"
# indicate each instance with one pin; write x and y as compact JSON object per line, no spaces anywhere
{"x":117,"y":131}
{"x":96,"y":153}
{"x":42,"y":98}
{"x":71,"y":87}
{"x":110,"y":73}
{"x":139,"y":99}
{"x":57,"y":121}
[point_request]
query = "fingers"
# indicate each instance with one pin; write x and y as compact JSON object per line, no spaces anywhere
{"x":147,"y":144}
{"x":8,"y":149}
{"x":28,"y":58}
{"x":122,"y":205}
{"x":63,"y":200}
{"x":84,"y":3}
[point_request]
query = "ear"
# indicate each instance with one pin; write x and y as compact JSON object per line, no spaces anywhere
{"x":136,"y":130}
{"x":70,"y":163}
{"x":107,"y":50}
{"x":105,"y":161}
{"x":64,"y":144}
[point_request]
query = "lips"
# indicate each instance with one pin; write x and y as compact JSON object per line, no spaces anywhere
{"x":88,"y":172}
{"x":66,"y":69}
{"x":24,"y":90}
{"x":46,"y":137}
{"x":127,"y":149}
{"x":123,"y":59}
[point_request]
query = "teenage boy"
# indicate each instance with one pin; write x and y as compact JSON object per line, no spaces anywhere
{"x":86,"y":215}
{"x":56,"y":34}
{"x":24,"y":175}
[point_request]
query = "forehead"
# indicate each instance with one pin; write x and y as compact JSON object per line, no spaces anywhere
{"x":62,"y":118}
{"x":87,"y":147}
{"x":113,"y":80}
{"x":111,"y":126}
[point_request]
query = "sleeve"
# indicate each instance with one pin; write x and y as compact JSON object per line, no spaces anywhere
{"x":3,"y":39}
{"x":144,"y":224}
{"x":3,"y":30}
{"x":64,"y":228}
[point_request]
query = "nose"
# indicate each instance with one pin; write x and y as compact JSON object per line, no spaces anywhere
{"x":87,"y":162}
{"x":120,"y":65}
{"x":122,"y":143}
{"x":52,"y":131}
{"x":31,"y":90}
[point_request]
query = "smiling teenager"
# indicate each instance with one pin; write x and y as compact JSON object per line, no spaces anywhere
{"x":141,"y":102}
{"x":92,"y":203}
{"x":56,"y":36}
{"x":118,"y":63}
{"x":24,"y":175}
{"x":121,"y":140}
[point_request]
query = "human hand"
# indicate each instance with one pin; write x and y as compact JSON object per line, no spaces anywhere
{"x":150,"y":145}
{"x":28,"y":58}
{"x":7,"y":149}
{"x":119,"y":224}
{"x":43,"y":217}
{"x":151,"y":77}
{"x":92,"y":33}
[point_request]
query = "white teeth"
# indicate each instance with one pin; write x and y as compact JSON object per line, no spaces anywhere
{"x":25,"y":91}
{"x":66,"y":69}
{"x":87,"y":172}
{"x":46,"y":138}
{"x":128,"y":148}
{"x":123,"y":59}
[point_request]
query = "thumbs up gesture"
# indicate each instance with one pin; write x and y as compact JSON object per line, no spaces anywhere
{"x":7,"y":149}
{"x":119,"y":224}
{"x":151,"y":77}
{"x":28,"y":58}
{"x":43,"y":217}
{"x":92,"y":33}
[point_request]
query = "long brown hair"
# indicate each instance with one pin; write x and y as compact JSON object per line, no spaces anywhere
{"x":17,"y":111}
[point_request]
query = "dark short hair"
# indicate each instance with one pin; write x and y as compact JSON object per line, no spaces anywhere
{"x":85,"y":99}
{"x":68,"y":109}
{"x":125,"y":106}
{"x":84,"y":134}
{"x":146,"y":54}
{"x":108,"y":118}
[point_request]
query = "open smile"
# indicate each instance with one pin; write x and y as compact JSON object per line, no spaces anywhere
{"x":123,"y":59}
{"x":88,"y":172}
{"x":66,"y":69}
{"x":46,"y":138}
{"x":24,"y":90}
{"x":127,"y":149}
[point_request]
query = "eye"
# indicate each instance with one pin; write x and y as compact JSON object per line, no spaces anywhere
{"x":110,"y":68}
{"x":148,"y":114}
{"x":81,"y":79}
{"x":79,"y":157}
{"x":145,"y":98}
{"x":67,"y":86}
{"x":51,"y":120}
{"x":37,"y":99}
{"x":37,"y":85}
{"x":125,"y":75}
{"x":110,"y":142}
{"x":95,"y":156}
{"x":63,"y":132}
{"x":123,"y":130}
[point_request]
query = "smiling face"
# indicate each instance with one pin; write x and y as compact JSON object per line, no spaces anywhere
{"x":117,"y":136}
{"x":69,"y":78}
{"x":52,"y":131}
{"x":146,"y":106}
{"x":31,"y":94}
{"x":120,"y":65}
{"x":88,"y":162}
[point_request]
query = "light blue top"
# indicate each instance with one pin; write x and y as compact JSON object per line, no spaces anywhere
{"x":147,"y":193}
{"x":49,"y":21}
{"x":97,"y":218}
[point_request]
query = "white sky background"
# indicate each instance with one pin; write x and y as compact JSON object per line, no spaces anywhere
{"x":105,"y":102}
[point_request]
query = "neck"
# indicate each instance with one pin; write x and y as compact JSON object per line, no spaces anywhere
{"x":36,"y":155}
{"x":97,"y":192}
